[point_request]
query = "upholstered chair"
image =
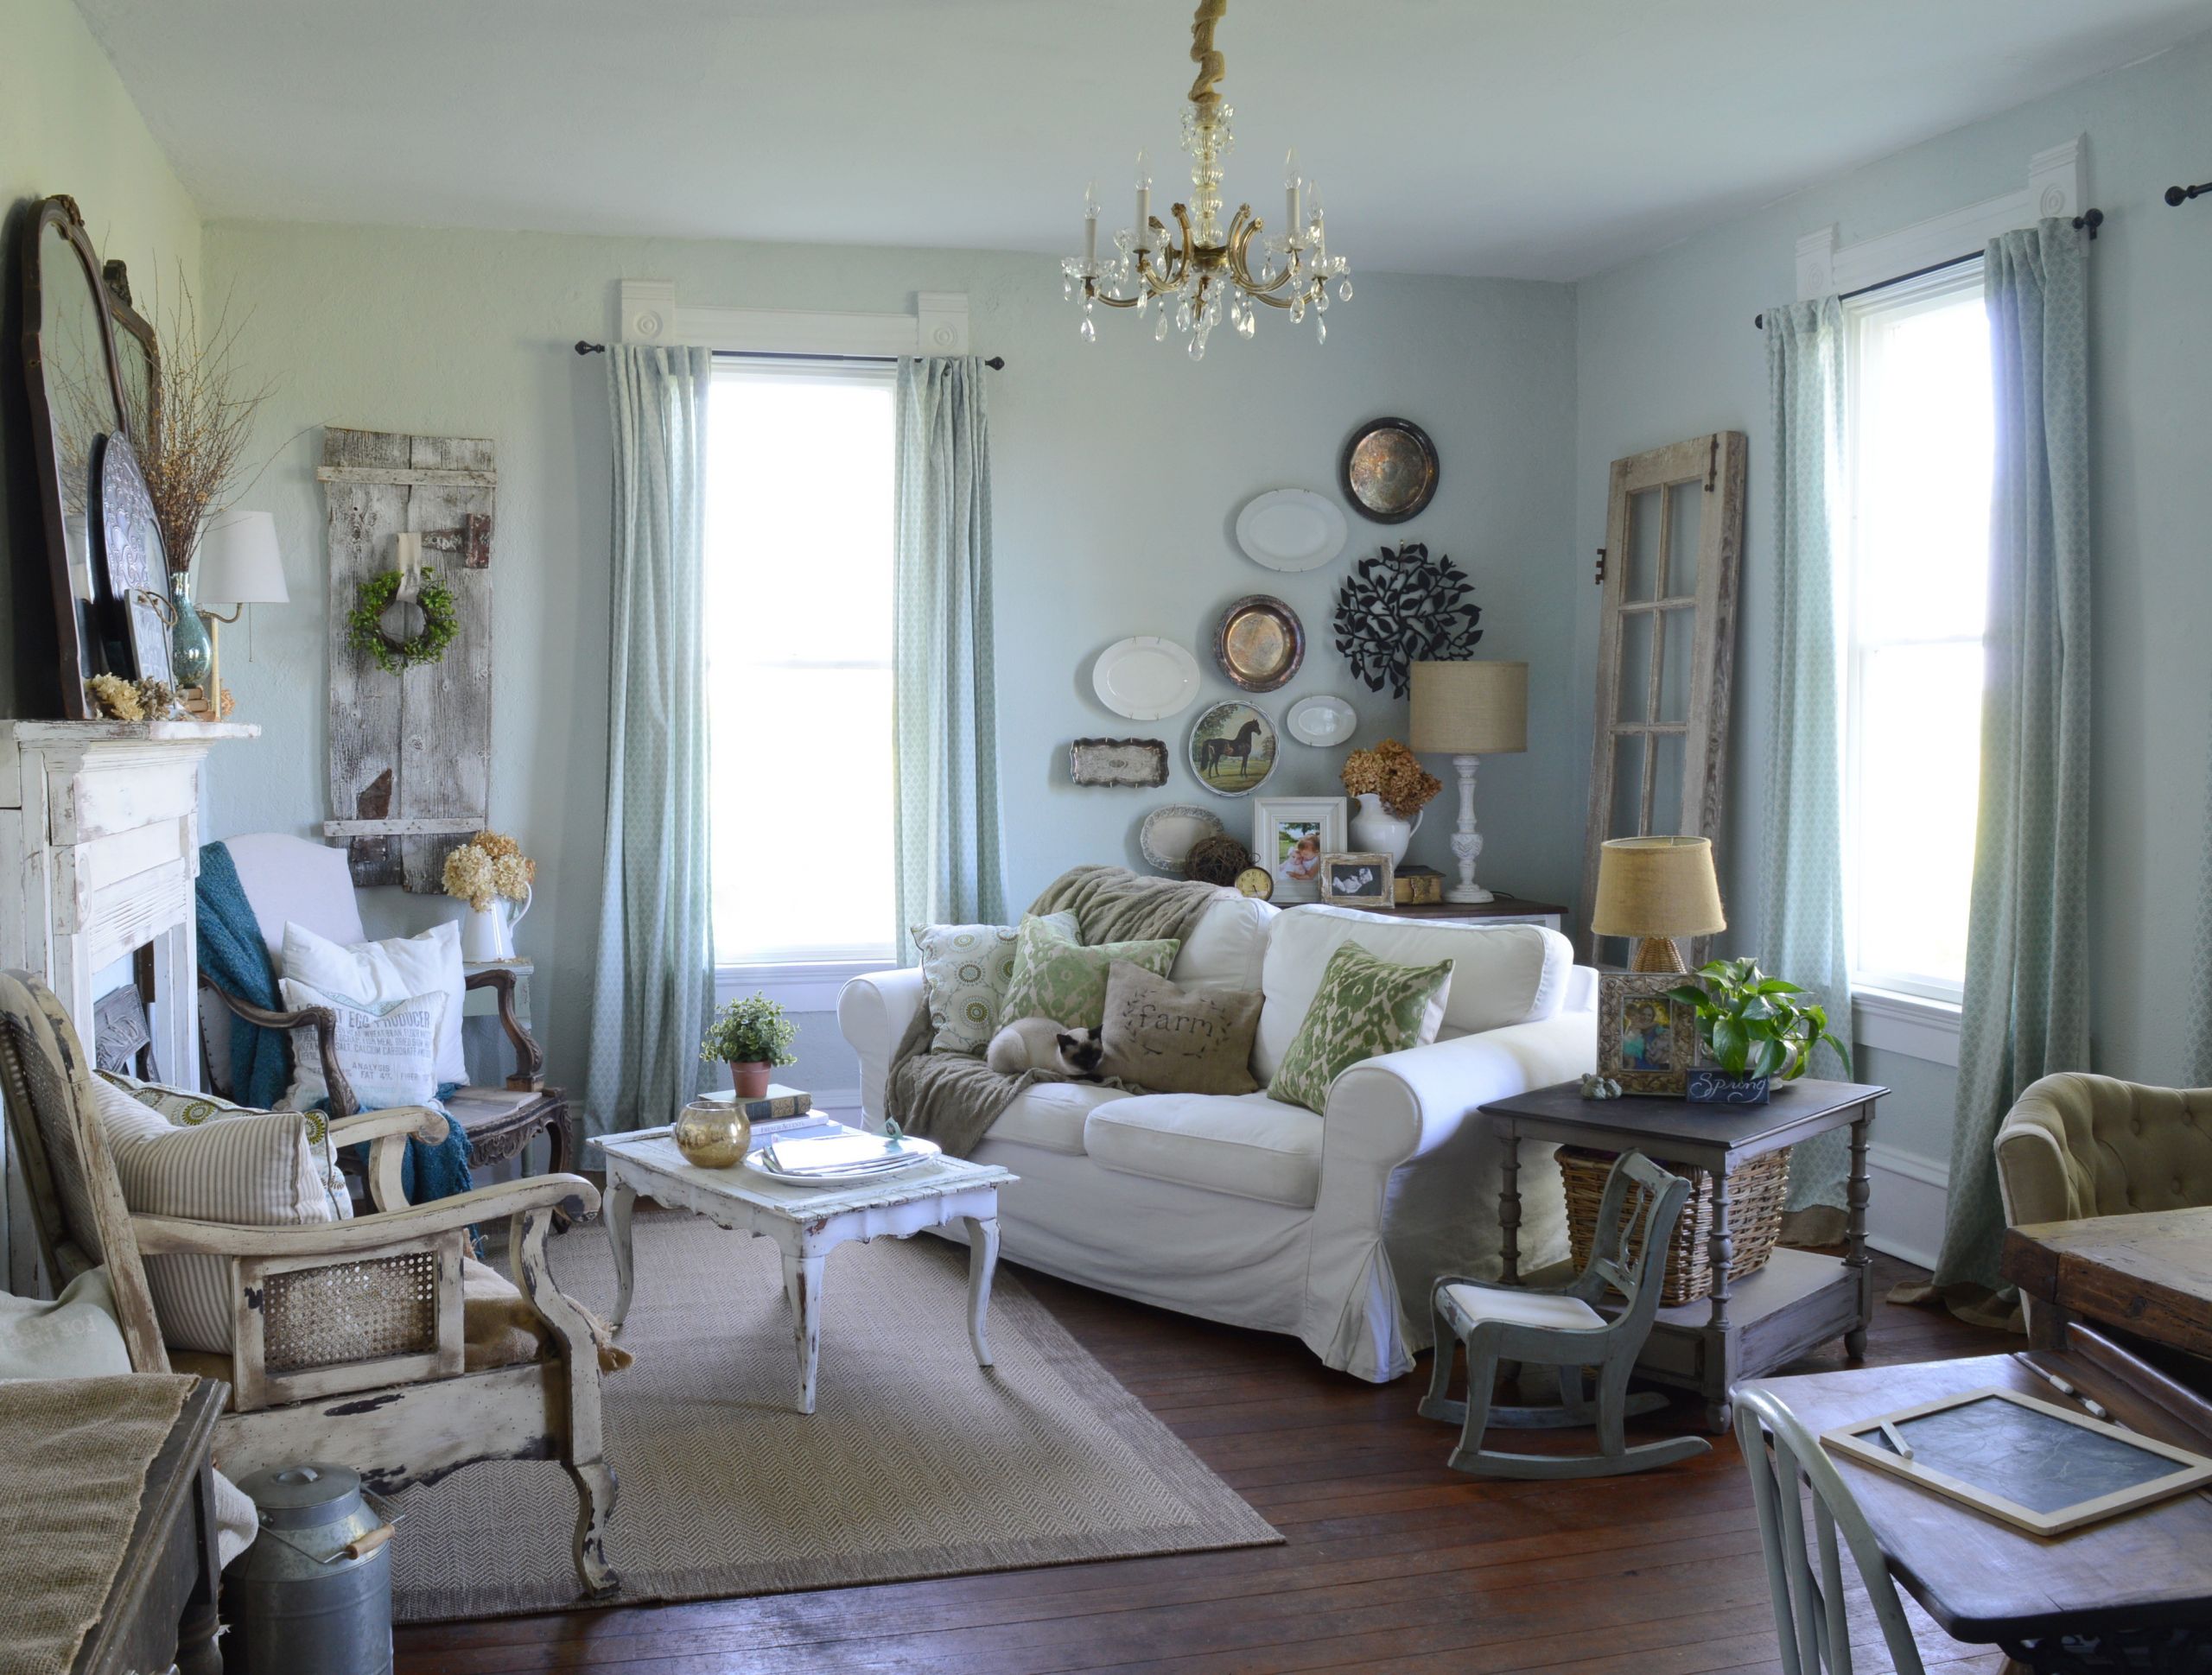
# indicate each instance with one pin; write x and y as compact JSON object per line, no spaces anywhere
{"x":2079,"y":1145}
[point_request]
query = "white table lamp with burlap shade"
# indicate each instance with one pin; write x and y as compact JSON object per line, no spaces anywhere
{"x":1654,"y":889}
{"x":1466,"y":711}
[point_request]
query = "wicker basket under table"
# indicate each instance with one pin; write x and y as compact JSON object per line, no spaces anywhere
{"x":1756,"y":1192}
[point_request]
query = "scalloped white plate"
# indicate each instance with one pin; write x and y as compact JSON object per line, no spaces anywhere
{"x":1291,"y":530}
{"x":1146,"y":678}
{"x":1322,"y":720}
{"x":1168,"y":834}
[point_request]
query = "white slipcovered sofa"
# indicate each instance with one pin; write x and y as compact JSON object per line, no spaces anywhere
{"x":1249,"y":1211}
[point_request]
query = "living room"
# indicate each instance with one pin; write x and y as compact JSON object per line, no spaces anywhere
{"x":566,"y":563}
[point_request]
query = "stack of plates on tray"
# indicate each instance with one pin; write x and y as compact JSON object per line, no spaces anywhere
{"x":851,"y":1156}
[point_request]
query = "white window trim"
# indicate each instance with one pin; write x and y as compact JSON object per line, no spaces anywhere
{"x":937,"y":325}
{"x":2056,"y":186}
{"x":1891,"y":1021}
{"x":799,"y":986}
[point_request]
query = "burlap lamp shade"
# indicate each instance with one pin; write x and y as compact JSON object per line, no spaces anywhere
{"x":1655,"y":889}
{"x":1466,"y":711}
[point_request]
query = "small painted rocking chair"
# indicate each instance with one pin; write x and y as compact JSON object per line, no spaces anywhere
{"x":1503,"y":1325}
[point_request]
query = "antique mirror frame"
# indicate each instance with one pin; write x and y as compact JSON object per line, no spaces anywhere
{"x":73,"y":652}
{"x":142,"y":417}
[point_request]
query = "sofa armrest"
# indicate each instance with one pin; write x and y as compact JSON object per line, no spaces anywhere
{"x":874,"y":1014}
{"x":2038,"y":1178}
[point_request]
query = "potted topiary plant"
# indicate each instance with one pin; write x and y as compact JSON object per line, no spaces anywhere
{"x":752,"y":1036}
{"x":1752,"y":1030}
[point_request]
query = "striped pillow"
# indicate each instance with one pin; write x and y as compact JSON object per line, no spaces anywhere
{"x":256,"y":1170}
{"x":185,"y":1109}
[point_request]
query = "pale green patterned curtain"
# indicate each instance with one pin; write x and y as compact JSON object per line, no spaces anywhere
{"x":1802,"y":898}
{"x":653,"y":982}
{"x":2026,"y":1011}
{"x":945,"y":716}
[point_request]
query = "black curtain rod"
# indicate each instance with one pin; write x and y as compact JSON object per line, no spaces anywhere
{"x":2090,"y":218}
{"x":996,"y":363}
{"x":2178,"y":195}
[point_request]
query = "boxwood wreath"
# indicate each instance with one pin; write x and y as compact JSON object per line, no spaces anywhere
{"x":365,"y":622}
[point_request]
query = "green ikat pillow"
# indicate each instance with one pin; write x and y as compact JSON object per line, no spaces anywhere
{"x":1056,"y":976}
{"x":1365,"y":1008}
{"x":965,"y":971}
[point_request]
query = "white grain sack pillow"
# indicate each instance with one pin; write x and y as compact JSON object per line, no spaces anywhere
{"x":388,"y":1048}
{"x":255,"y":1169}
{"x":396,"y":968}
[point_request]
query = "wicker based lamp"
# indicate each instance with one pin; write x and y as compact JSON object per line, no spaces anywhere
{"x":1654,"y":889}
{"x":1466,"y":711}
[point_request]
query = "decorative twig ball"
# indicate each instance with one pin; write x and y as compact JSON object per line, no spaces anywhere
{"x":1215,"y":859}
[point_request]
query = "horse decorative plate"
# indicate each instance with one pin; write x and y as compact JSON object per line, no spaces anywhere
{"x":1291,"y":530}
{"x":1233,"y":749}
{"x":1168,"y":834}
{"x":1260,"y":643}
{"x":1390,"y":469}
{"x":1146,"y":679}
{"x":1323,"y":721}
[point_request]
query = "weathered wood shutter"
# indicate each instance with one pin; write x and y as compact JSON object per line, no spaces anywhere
{"x":410,"y":754}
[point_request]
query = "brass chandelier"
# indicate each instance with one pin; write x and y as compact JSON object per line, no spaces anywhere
{"x":1201,"y":275}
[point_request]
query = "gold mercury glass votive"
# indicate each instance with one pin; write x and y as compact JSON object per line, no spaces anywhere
{"x":713,"y":1134}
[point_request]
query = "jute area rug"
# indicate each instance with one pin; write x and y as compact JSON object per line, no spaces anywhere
{"x":916,"y":1463}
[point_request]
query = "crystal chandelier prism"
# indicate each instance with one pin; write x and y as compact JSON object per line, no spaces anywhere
{"x":1199,"y":275}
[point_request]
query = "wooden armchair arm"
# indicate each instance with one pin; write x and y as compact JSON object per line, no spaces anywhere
{"x":321,"y":1019}
{"x":170,"y":1235}
{"x":388,"y":1132}
{"x":530,"y":1061}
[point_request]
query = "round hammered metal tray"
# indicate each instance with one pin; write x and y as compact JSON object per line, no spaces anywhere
{"x":1389,"y":470}
{"x":1260,"y":643}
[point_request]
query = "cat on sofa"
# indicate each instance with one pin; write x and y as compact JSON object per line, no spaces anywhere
{"x":1041,"y":1043}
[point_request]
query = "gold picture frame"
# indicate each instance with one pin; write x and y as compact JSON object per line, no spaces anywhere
{"x":1358,"y":878}
{"x":1646,"y":1041}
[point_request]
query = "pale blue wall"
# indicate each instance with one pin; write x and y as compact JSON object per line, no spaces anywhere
{"x":1119,"y":469}
{"x":1666,"y":349}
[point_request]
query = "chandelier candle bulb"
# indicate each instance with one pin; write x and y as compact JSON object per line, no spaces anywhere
{"x":1090,"y":227}
{"x":1144,"y":205}
{"x":1290,"y":194}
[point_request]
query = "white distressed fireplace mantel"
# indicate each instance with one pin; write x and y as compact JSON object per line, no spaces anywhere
{"x":99,"y":847}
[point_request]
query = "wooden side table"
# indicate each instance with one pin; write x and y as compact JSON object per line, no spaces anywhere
{"x":1768,"y":1319}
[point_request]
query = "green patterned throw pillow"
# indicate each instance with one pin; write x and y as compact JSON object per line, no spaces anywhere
{"x":965,"y":969}
{"x":1365,"y":1008}
{"x":1056,"y":976}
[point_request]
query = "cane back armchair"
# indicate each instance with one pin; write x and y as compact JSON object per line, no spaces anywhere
{"x":376,"y":1341}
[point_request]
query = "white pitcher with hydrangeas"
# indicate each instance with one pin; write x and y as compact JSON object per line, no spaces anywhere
{"x":491,"y":874}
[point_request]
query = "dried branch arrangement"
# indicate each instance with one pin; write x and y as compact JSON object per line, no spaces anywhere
{"x":193,"y":457}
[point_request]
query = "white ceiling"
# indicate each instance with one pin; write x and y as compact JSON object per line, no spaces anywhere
{"x":1531,"y":138}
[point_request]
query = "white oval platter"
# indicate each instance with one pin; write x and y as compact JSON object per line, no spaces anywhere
{"x":1291,"y":530}
{"x":1146,"y":679}
{"x":1326,"y":720}
{"x":1168,"y":834}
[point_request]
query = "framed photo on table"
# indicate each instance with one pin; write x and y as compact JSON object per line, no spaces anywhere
{"x":1289,"y":836}
{"x":1360,"y":879}
{"x":1646,"y":1042}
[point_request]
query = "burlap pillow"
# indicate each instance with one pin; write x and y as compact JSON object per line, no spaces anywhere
{"x":1169,"y":1039}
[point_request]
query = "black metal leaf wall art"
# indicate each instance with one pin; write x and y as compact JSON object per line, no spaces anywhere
{"x":1401,"y":608}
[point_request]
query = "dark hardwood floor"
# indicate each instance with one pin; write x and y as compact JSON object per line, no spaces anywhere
{"x":1392,"y":1562}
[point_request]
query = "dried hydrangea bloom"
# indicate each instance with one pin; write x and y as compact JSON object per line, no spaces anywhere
{"x":1394,"y":774}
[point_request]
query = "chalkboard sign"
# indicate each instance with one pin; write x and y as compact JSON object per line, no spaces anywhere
{"x":2041,"y":1467}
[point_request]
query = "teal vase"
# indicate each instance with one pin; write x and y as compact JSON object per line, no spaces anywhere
{"x":191,"y":653}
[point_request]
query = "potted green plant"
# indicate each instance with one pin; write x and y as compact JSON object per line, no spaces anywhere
{"x":1752,"y":1031}
{"x":752,"y":1036}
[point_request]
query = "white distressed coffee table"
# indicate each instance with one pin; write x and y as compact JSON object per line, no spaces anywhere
{"x":806,"y":1222}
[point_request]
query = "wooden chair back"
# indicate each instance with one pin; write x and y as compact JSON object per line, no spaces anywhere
{"x":1812,"y":1614}
{"x":76,"y":1198}
{"x":1636,"y":1224}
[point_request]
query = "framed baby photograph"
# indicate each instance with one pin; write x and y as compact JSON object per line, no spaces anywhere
{"x":1646,"y":1042}
{"x":1289,"y":836}
{"x":1359,"y":878}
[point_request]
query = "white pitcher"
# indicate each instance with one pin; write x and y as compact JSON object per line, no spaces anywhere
{"x":488,"y":933}
{"x":1375,"y":827}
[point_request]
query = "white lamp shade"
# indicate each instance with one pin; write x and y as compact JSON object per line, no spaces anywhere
{"x":1470,"y":708}
{"x":239,"y":564}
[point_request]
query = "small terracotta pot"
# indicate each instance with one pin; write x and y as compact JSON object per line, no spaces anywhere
{"x":751,"y":1080}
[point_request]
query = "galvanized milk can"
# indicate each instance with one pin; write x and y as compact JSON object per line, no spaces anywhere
{"x":312,"y":1594}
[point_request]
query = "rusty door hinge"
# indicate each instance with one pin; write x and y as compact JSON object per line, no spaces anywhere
{"x":1599,"y":578}
{"x":473,"y":541}
{"x":1711,"y":462}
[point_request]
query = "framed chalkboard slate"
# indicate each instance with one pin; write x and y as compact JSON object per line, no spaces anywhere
{"x":2041,"y":1468}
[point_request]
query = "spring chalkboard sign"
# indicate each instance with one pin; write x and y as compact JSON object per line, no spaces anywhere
{"x":2041,"y":1468}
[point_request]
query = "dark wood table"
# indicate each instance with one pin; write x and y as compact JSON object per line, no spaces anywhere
{"x":1499,"y":910}
{"x":2150,"y":1275}
{"x":2147,"y":1571}
{"x":161,"y":1606}
{"x":1765,"y":1320}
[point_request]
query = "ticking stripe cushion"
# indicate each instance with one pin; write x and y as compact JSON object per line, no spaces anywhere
{"x":188,"y":1108}
{"x":252,"y":1168}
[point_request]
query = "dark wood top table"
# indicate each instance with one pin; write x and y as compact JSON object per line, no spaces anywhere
{"x":1499,"y":910}
{"x":1800,"y":1299}
{"x":2149,"y":1274}
{"x":1984,"y":1580}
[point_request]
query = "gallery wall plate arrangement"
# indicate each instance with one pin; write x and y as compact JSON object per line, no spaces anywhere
{"x":1389,"y":470}
{"x":1401,"y":608}
{"x":1290,"y":834}
{"x":1146,"y":678}
{"x":1322,"y":720}
{"x":1120,"y":764}
{"x":1259,"y":643}
{"x":1360,"y":878}
{"x":1171,"y":831}
{"x":1233,"y":748}
{"x":1292,"y":530}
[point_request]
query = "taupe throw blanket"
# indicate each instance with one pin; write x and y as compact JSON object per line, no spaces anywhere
{"x":954,"y":1099}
